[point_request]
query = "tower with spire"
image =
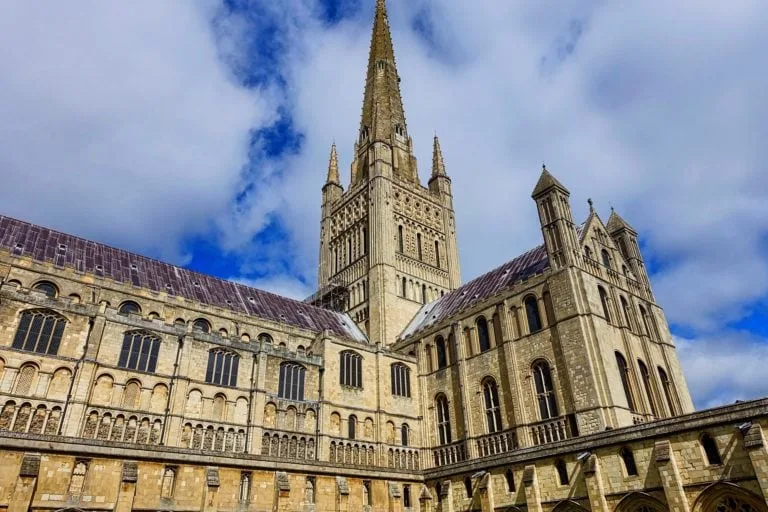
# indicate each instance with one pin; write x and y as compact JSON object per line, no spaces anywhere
{"x":387,"y":241}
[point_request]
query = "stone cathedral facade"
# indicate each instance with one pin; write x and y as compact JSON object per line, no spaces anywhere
{"x":549,"y":384}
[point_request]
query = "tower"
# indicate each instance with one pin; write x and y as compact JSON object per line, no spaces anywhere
{"x":625,"y":238}
{"x":387,"y":241}
{"x":558,"y":228}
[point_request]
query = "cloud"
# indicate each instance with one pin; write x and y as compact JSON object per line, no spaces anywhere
{"x":121,"y":121}
{"x":724,"y":368}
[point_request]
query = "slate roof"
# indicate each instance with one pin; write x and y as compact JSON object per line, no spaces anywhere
{"x":49,"y":246}
{"x":479,"y":289}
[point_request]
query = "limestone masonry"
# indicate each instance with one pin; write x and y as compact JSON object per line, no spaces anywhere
{"x":551,"y":383}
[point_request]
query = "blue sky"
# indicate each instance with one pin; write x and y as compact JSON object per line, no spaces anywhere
{"x":199,"y":131}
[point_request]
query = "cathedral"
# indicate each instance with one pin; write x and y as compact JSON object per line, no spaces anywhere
{"x":549,"y":384}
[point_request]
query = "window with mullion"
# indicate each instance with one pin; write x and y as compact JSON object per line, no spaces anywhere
{"x":492,"y":409}
{"x":350,"y":369}
{"x":222,"y":368}
{"x":40,"y":332}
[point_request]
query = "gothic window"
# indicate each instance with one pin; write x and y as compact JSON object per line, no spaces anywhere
{"x":400,"y":376}
{"x":291,"y":385}
{"x":482,"y":334}
{"x":442,"y":358}
{"x":646,"y":376}
{"x":351,"y":369}
{"x":139,"y":351}
{"x":624,"y":374}
{"x":668,"y":391}
{"x":443,"y":420}
{"x":627,"y":316}
{"x":201,"y":324}
{"x":629,"y":461}
{"x":562,"y":472}
{"x":404,"y":432}
{"x":624,"y":270}
{"x":418,"y":246}
{"x":405,"y":289}
{"x":437,"y":254}
{"x":406,"y":496}
{"x":245,"y":487}
{"x":367,"y":493}
{"x":47,"y":288}
{"x":78,"y":479}
{"x":604,"y":302}
{"x":606,"y":258}
{"x":169,"y":482}
{"x":265,"y":338}
{"x":400,"y":242}
{"x":492,"y":408}
{"x":509,"y":476}
{"x":532,"y":312}
{"x":352,"y":427}
{"x":468,"y":486}
{"x":39,"y":331}
{"x":222,"y":368}
{"x":587,"y":252}
{"x":423,"y":294}
{"x":711,"y":450}
{"x":129,"y":307}
{"x":647,"y":323}
{"x":545,"y":393}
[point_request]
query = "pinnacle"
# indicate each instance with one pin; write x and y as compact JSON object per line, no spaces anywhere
{"x":547,"y":181}
{"x":333,"y":167}
{"x":438,"y":164}
{"x":616,"y":223}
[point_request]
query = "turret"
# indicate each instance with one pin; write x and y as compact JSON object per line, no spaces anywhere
{"x":332,"y":190}
{"x":557,"y":226}
{"x":440,"y":183}
{"x":625,"y":238}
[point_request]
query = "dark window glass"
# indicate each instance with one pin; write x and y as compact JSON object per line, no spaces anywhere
{"x":222,"y":368}
{"x":47,"y":288}
{"x":139,"y":351}
{"x":604,"y":302}
{"x":443,"y":420}
{"x":406,"y":496}
{"x":711,"y":450}
{"x":606,"y":258}
{"x":352,"y":427}
{"x":562,"y":472}
{"x":482,"y":334}
{"x":39,"y":331}
{"x":129,"y":307}
{"x":418,"y":243}
{"x":401,"y":382}
{"x":291,"y":385}
{"x":510,"y":477}
{"x":668,"y":391}
{"x":532,"y":312}
{"x":404,"y":434}
{"x":624,"y":373}
{"x":627,"y":314}
{"x":437,"y":253}
{"x":492,"y":408}
{"x":629,"y":461}
{"x":201,"y":324}
{"x":468,"y":486}
{"x":442,"y":359}
{"x":400,"y":243}
{"x":544,"y":391}
{"x":351,"y":369}
{"x":646,"y":376}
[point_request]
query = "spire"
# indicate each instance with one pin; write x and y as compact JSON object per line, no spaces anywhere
{"x":333,"y":167}
{"x":383,"y":112}
{"x":616,"y":223}
{"x":438,"y":164}
{"x":546,"y":182}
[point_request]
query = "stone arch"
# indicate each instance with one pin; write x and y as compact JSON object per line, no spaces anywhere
{"x":159,"y":398}
{"x":241,"y":410}
{"x":310,"y":421}
{"x":59,"y":385}
{"x":727,"y":497}
{"x":132,"y":394}
{"x":102,"y":391}
{"x":219,"y":407}
{"x":26,"y":379}
{"x":569,"y":506}
{"x":194,"y":402}
{"x":335,"y":424}
{"x":635,"y":500}
{"x":290,"y":418}
{"x":270,"y":415}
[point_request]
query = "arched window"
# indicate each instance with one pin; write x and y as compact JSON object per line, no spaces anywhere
{"x":265,"y":338}
{"x":309,"y":490}
{"x":627,"y":315}
{"x":400,"y":242}
{"x":400,"y":376}
{"x":139,"y":352}
{"x":668,"y":391}
{"x":24,"y":379}
{"x":245,"y":487}
{"x":39,"y":331}
{"x":169,"y":482}
{"x":418,"y":244}
{"x":129,"y":307}
{"x":647,"y":324}
{"x":587,"y":252}
{"x":646,"y":376}
{"x":562,"y":472}
{"x":492,"y":408}
{"x":201,"y":324}
{"x":78,"y":479}
{"x":405,"y":288}
{"x":629,"y":461}
{"x":350,"y":369}
{"x":442,"y":358}
{"x":482,"y":334}
{"x":404,"y":433}
{"x":291,"y":385}
{"x":604,"y":302}
{"x":443,"y":420}
{"x":624,"y":374}
{"x":352,"y":427}
{"x":437,"y":254}
{"x":711,"y":450}
{"x":532,"y":312}
{"x":48,"y":288}
{"x":222,"y":368}
{"x":428,"y":357}
{"x":509,"y":476}
{"x":606,"y":258}
{"x":545,"y":393}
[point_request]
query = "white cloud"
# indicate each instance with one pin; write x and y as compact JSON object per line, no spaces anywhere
{"x":280,"y":284}
{"x":120,"y":121}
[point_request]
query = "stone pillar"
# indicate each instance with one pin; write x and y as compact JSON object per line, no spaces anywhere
{"x":128,"y":478}
{"x":754,"y":442}
{"x":211,"y":492}
{"x":283,"y":492}
{"x":532,"y":494}
{"x":594,"y":482}
{"x":466,"y":395}
{"x":24,"y":490}
{"x":670,"y":477}
{"x":485,"y":488}
{"x":342,"y":494}
{"x":395,"y":498}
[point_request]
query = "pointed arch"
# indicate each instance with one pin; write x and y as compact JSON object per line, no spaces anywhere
{"x":40,"y":331}
{"x":635,"y":501}
{"x":569,"y":506}
{"x":728,"y":497}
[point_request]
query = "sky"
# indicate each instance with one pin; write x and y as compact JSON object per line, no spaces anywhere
{"x":199,"y":132}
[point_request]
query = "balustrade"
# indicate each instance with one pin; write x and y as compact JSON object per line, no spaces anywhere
{"x":450,"y":454}
{"x":499,"y":442}
{"x":550,"y":431}
{"x":123,"y":426}
{"x":213,"y":437}
{"x":287,"y":445}
{"x":352,"y":452}
{"x":401,"y":457}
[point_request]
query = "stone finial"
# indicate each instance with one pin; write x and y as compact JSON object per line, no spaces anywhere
{"x":438,"y":164}
{"x":591,"y":205}
{"x":547,"y":182}
{"x":333,"y":167}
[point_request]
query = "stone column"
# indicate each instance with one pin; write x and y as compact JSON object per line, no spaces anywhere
{"x":130,"y":475}
{"x":342,"y":494}
{"x":485,"y":488}
{"x":670,"y":477}
{"x":595,"y":488}
{"x":532,"y":494}
{"x":395,"y":498}
{"x":211,"y":492}
{"x":24,"y":490}
{"x":755,"y":445}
